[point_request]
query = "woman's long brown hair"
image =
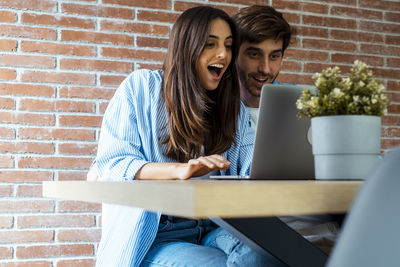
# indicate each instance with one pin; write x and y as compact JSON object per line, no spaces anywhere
{"x":197,"y":118}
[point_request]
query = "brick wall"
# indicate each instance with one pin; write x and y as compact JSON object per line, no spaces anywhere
{"x":61,"y":61}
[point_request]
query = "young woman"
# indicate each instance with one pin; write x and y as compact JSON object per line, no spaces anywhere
{"x":180,"y":122}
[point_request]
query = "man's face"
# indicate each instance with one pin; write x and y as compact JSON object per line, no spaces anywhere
{"x":258,"y":64}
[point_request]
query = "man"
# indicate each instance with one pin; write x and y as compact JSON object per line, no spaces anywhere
{"x":264,"y":37}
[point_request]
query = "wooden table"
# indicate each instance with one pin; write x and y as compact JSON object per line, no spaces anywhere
{"x":245,"y":208}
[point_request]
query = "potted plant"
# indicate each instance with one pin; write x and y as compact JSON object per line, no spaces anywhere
{"x":345,"y":117}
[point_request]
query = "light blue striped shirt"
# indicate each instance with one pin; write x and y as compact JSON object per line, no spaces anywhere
{"x":133,"y":124}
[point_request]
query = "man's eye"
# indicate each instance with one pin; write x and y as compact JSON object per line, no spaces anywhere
{"x":252,"y":54}
{"x":275,"y":56}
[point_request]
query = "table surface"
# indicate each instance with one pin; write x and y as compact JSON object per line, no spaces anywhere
{"x":211,"y":198}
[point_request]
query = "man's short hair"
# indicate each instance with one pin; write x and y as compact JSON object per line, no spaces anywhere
{"x":258,"y":23}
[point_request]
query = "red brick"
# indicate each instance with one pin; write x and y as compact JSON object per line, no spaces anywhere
{"x":61,"y":105}
{"x":25,"y":236}
{"x":134,"y":27}
{"x":329,"y":45}
{"x":22,"y":206}
{"x":38,"y":5}
{"x":312,"y":31}
{"x":26,"y":147}
{"x":26,"y":89}
{"x":77,"y":149}
{"x":25,"y":176}
{"x":356,"y":36}
{"x":111,"y":80}
{"x":182,"y":6}
{"x":306,"y":55}
{"x":149,"y":66}
{"x":96,"y":37}
{"x":159,"y":4}
{"x":394,"y":97}
{"x":97,"y":65}
{"x":373,"y":26}
{"x":88,"y":92}
{"x":58,"y":77}
{"x":152,"y":42}
{"x":97,"y":11}
{"x":54,"y":162}
{"x":318,"y":67}
{"x":393,"y":85}
{"x":6,"y":253}
{"x":393,"y":62}
{"x":7,"y":133}
{"x":85,"y":235}
{"x":389,"y":143}
{"x":102,"y":107}
{"x":75,"y":120}
{"x":72,"y":175}
{"x":329,"y":22}
{"x":33,"y":263}
{"x":299,"y":6}
{"x":356,"y":13}
{"x":56,"y":134}
{"x":392,"y":16}
{"x":132,"y":53}
{"x":291,"y":66}
{"x":29,"y":191}
{"x":7,"y":16}
{"x":28,"y":32}
{"x":350,"y":58}
{"x":393,"y":132}
{"x":295,"y":78}
{"x":58,"y":49}
{"x":7,"y":74}
{"x":292,"y":18}
{"x":41,"y":251}
{"x":7,"y":103}
{"x":28,"y":61}
{"x":78,"y":206}
{"x":8,"y":45}
{"x":160,"y":16}
{"x":27,"y":118}
{"x":6,"y":162}
{"x":387,"y":73}
{"x":394,"y":108}
{"x":391,"y":39}
{"x":28,"y":221}
{"x":390,"y":120}
{"x":382,"y":4}
{"x":6,"y":191}
{"x":6,"y":222}
{"x":380,"y":49}
{"x":62,"y":21}
{"x":76,"y":263}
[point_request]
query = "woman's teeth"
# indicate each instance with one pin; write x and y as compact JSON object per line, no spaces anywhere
{"x":215,"y":69}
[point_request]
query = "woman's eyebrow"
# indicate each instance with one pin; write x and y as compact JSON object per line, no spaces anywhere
{"x":217,"y":37}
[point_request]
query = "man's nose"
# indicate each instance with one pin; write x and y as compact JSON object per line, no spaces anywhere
{"x":264,"y":66}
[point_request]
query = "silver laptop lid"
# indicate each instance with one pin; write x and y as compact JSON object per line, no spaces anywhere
{"x":282,"y":149}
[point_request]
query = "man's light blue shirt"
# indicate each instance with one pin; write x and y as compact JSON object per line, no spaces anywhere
{"x":133,"y":125}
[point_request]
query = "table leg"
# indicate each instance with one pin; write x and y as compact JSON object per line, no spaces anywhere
{"x":271,"y":235}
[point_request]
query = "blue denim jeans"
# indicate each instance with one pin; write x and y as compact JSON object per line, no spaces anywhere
{"x":182,"y":242}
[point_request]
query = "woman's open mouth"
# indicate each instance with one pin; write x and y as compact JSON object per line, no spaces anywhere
{"x":215,"y":70}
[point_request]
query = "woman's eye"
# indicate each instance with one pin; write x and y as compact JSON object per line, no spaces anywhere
{"x":209,"y":44}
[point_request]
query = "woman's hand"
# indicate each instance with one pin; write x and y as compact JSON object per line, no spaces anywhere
{"x":203,"y":165}
{"x":194,"y":168}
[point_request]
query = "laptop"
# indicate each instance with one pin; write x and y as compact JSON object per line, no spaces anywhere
{"x":282,"y":148}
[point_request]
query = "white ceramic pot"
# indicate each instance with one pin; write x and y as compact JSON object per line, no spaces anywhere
{"x":345,"y":146}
